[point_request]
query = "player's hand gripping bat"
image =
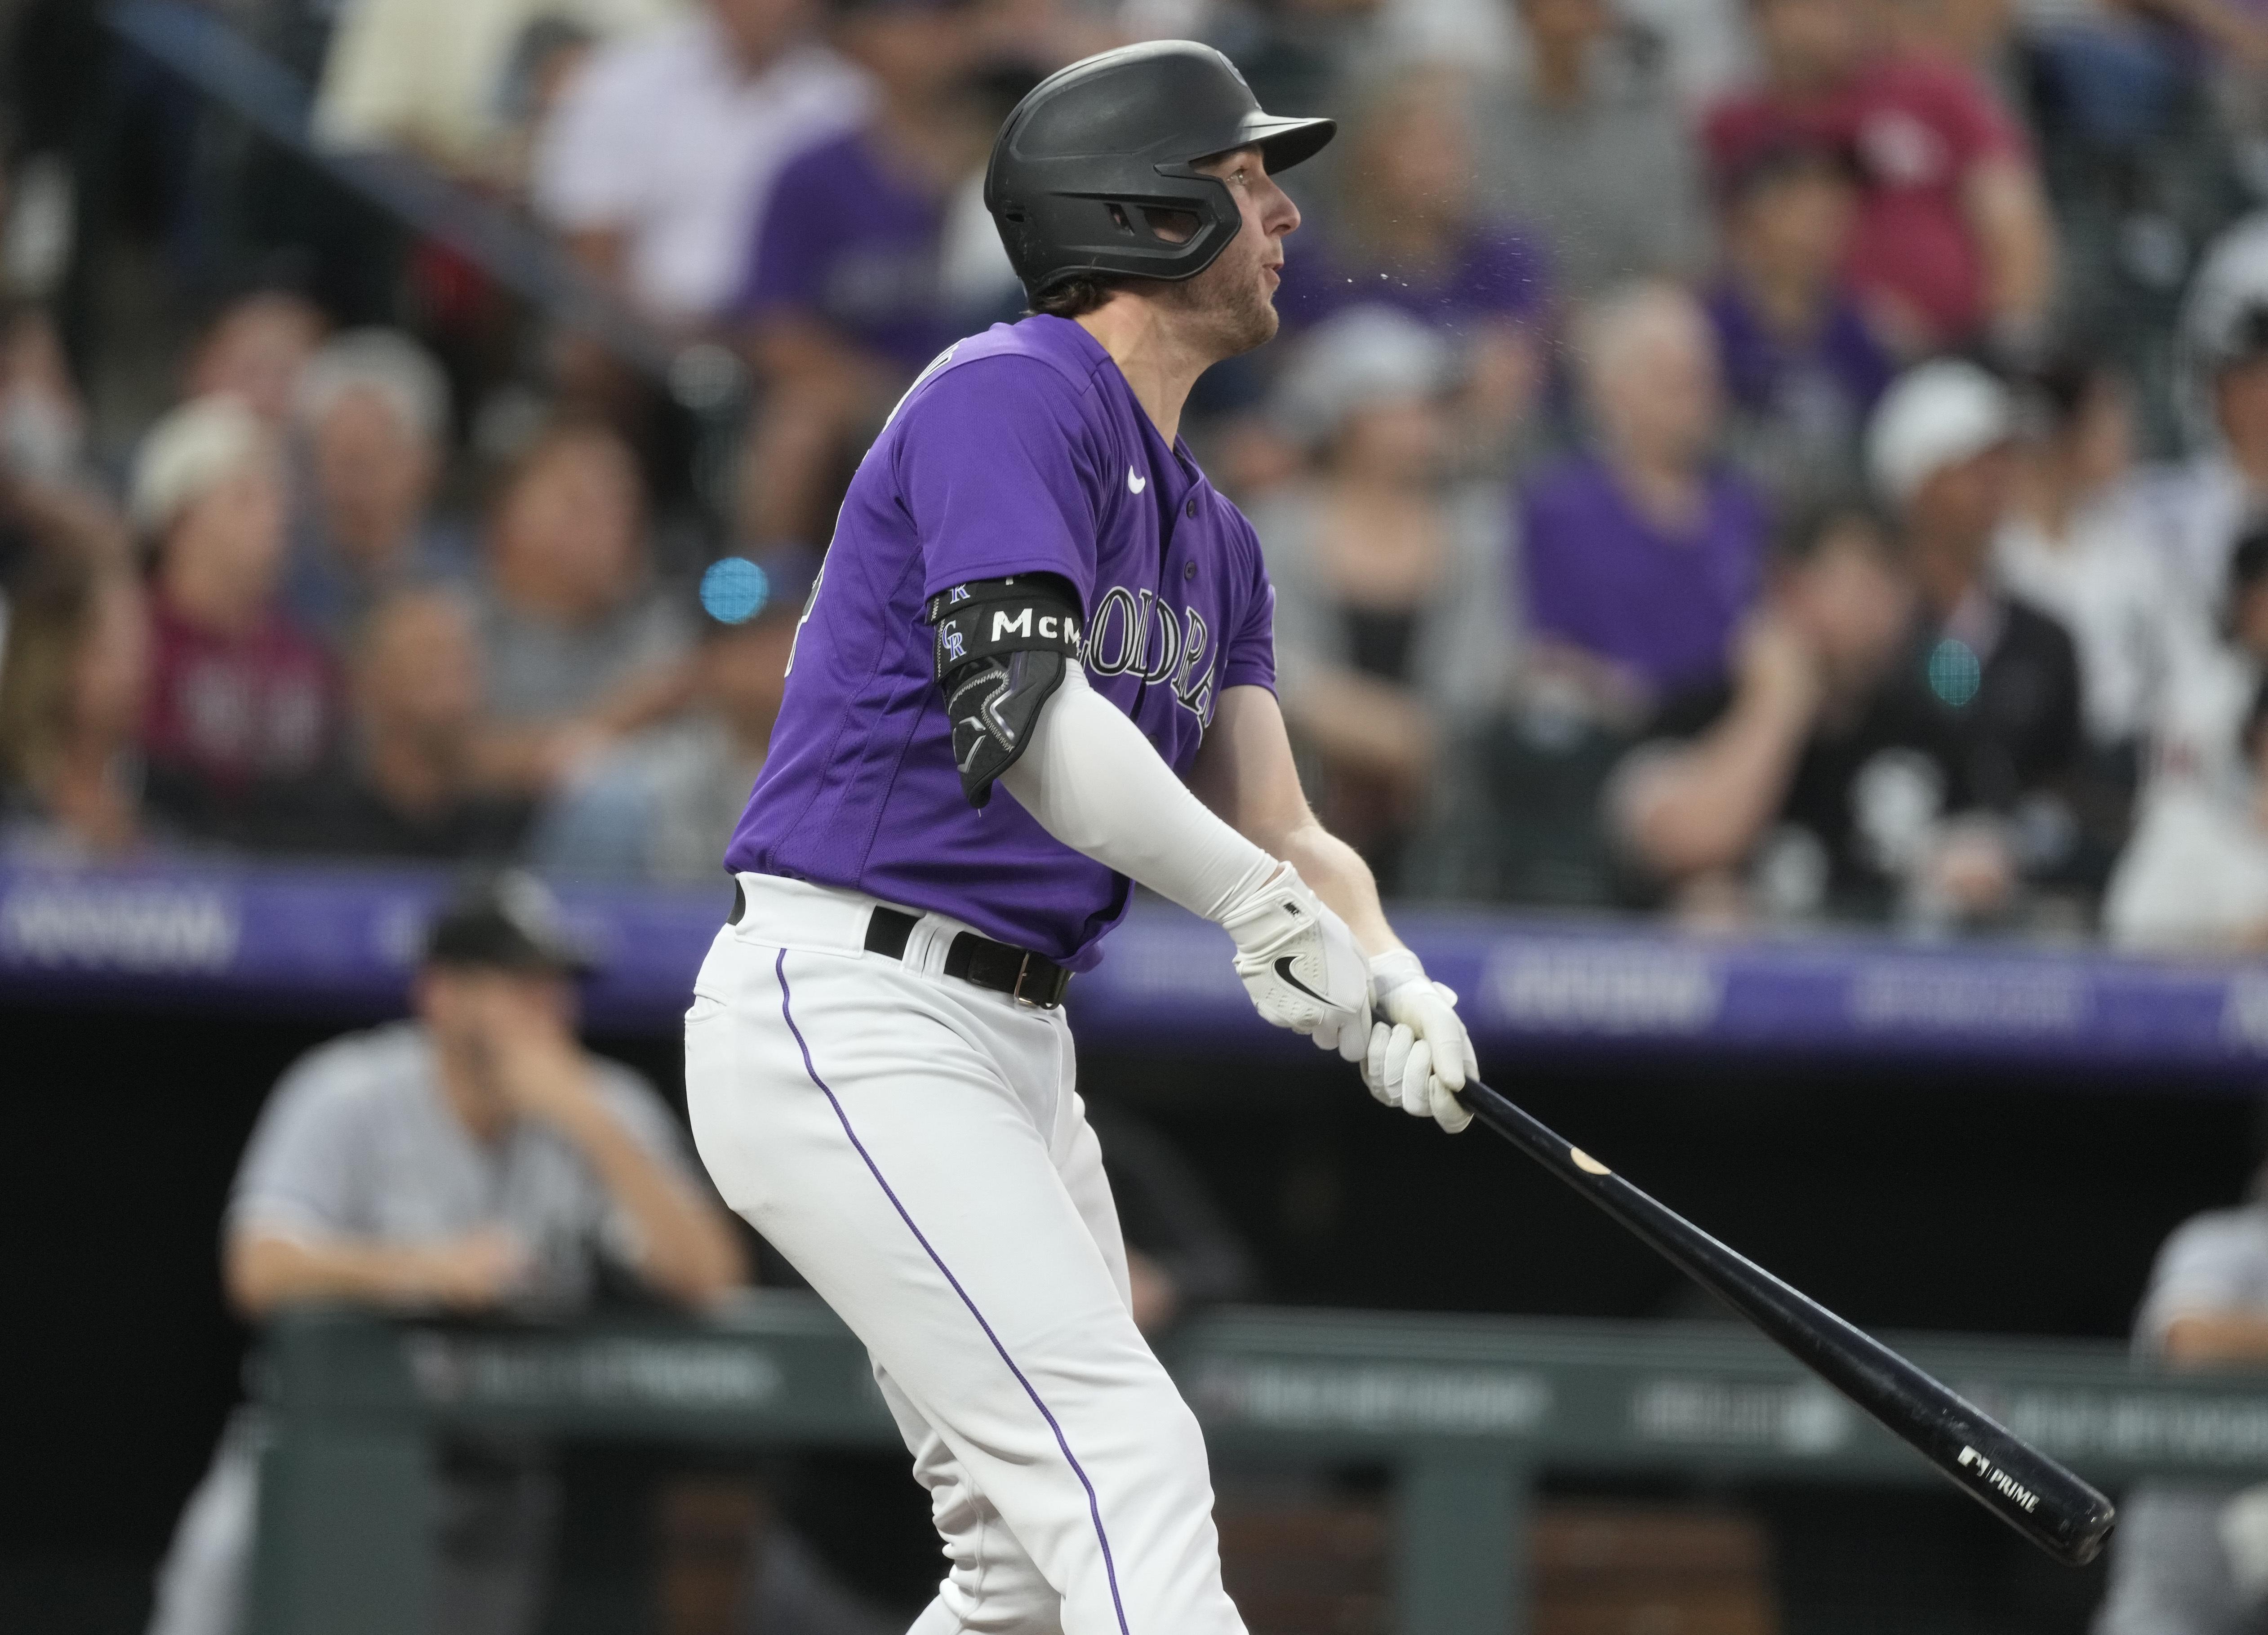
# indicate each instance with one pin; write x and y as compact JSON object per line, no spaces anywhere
{"x":2025,"y":1488}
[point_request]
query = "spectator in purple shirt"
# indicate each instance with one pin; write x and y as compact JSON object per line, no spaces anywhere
{"x":1800,"y":366}
{"x":842,"y":303}
{"x":1409,"y":232}
{"x":1642,"y":553}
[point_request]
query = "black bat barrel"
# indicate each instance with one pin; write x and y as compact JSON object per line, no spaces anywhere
{"x":2025,"y":1488}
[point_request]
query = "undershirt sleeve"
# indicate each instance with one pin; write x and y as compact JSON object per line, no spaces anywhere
{"x":1090,"y":779}
{"x":296,"y":1179}
{"x":1000,"y":469}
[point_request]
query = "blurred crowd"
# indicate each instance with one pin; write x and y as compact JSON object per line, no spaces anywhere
{"x":1754,"y":461}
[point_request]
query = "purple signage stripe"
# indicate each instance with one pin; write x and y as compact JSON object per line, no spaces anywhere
{"x":340,"y":939}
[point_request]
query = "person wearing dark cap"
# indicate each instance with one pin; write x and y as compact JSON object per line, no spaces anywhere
{"x":471,"y":1158}
{"x":843,"y":300}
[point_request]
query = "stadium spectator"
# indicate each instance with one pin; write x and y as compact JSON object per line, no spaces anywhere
{"x":2076,"y":545}
{"x":1802,"y":367}
{"x":474,"y":1158}
{"x":372,"y":413}
{"x":660,"y":158}
{"x":1408,"y":231}
{"x":2200,"y":506}
{"x":431,"y":77}
{"x":1393,"y":619}
{"x":1817,"y":777}
{"x":578,"y":647}
{"x":74,"y":665}
{"x":51,"y":499}
{"x":2194,"y":1557}
{"x":844,"y":301}
{"x":1642,"y":553}
{"x":237,"y":692}
{"x":2197,"y":737}
{"x":406,"y":784}
{"x":254,"y":351}
{"x":1953,"y":243}
{"x":1587,"y":144}
{"x":2194,"y":877}
{"x":1940,"y":451}
{"x":662,"y":806}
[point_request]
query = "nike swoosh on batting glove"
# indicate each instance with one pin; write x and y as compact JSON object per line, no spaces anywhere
{"x":1301,"y":963}
{"x":1419,"y":1054}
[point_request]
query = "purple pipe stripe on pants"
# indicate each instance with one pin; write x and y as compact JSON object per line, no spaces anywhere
{"x":1093,"y":1505}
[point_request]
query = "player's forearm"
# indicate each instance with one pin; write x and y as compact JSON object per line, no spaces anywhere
{"x":264,"y":1272}
{"x":685,"y":1251}
{"x":1093,"y":781}
{"x":1343,"y":881}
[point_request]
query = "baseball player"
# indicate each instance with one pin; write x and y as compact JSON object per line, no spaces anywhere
{"x":1035,"y":670}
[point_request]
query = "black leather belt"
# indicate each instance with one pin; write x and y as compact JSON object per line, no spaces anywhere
{"x":1024,"y":976}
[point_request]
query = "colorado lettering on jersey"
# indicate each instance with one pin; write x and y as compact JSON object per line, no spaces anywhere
{"x":1136,"y":632}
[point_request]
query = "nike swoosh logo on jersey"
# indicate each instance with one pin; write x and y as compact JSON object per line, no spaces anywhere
{"x":1134,"y":484}
{"x":1283,"y":969}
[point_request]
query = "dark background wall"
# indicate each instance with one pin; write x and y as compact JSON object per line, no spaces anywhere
{"x":1907,"y":1198}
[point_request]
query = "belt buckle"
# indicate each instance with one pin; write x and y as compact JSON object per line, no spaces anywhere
{"x":1016,"y":992}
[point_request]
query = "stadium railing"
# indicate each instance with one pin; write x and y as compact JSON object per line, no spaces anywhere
{"x":1464,"y":1412}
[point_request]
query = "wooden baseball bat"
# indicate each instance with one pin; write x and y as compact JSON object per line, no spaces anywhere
{"x":2016,"y":1482}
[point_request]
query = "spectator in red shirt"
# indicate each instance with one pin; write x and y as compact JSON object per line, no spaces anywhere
{"x":237,"y":692}
{"x":1953,"y":245}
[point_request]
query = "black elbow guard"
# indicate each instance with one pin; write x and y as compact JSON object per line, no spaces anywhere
{"x":1001,"y":651}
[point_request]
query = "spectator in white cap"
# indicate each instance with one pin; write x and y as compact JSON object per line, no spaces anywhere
{"x":374,"y":417}
{"x":1940,"y":450}
{"x":1393,"y":617}
{"x":238,"y":693}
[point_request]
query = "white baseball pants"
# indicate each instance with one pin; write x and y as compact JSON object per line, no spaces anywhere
{"x":914,"y":1144}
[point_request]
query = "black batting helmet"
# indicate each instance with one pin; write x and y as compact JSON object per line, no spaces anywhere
{"x":1095,"y":148}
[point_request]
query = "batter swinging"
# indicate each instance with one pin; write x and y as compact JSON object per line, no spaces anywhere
{"x":1032,"y":588}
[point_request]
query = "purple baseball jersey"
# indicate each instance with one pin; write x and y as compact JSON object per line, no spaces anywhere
{"x":1603,"y":577}
{"x":847,"y":240}
{"x":1021,"y":449}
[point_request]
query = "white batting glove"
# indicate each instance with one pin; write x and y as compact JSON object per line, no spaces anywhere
{"x":1301,"y":963}
{"x":1420,"y":1053}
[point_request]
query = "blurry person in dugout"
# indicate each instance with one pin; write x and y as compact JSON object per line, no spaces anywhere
{"x":472,"y":1159}
{"x":1392,"y":618}
{"x":238,"y":693}
{"x":73,"y":668}
{"x":2193,"y":1560}
{"x":663,"y":805}
{"x":578,"y":645}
